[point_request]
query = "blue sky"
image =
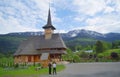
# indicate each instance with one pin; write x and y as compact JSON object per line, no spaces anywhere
{"x":30,"y":15}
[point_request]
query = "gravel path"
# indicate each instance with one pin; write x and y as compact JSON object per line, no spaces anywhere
{"x":90,"y":70}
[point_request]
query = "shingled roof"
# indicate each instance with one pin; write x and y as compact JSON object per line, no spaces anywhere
{"x":36,"y":45}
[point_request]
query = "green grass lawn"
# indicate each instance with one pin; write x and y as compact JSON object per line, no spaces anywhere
{"x":26,"y":72}
{"x":108,"y":52}
{"x":107,"y":55}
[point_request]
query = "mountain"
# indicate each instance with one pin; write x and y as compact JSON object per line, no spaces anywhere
{"x":84,"y":34}
{"x":25,"y":33}
{"x":10,"y":42}
{"x":80,"y":33}
{"x":110,"y":37}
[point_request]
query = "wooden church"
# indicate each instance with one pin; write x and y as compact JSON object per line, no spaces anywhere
{"x":44,"y":48}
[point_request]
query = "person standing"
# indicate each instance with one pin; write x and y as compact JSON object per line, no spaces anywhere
{"x":50,"y":68}
{"x":54,"y":68}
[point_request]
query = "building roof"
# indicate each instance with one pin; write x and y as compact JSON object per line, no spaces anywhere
{"x":55,"y":42}
{"x":38,"y":44}
{"x":49,"y":23}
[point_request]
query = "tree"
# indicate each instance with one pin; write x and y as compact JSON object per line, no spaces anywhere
{"x":116,"y":44}
{"x":99,"y":47}
{"x":84,"y":54}
{"x":68,"y":56}
{"x":2,"y":55}
{"x":78,"y":47}
{"x":76,"y":58}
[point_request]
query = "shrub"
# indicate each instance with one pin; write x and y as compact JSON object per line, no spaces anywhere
{"x":100,"y":55}
{"x":76,"y":58}
{"x":16,"y":65}
{"x":83,"y":54}
{"x":114,"y":55}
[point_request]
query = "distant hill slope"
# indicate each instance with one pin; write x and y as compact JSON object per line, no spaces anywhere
{"x":10,"y":42}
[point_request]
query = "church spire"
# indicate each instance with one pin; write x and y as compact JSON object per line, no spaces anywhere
{"x":49,"y":28}
{"x":49,"y":23}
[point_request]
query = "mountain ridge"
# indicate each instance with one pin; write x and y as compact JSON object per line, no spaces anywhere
{"x":10,"y":42}
{"x":77,"y":33}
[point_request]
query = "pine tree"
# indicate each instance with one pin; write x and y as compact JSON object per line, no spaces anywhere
{"x":99,"y":47}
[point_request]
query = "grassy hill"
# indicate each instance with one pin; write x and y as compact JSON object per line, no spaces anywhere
{"x":9,"y":44}
{"x":108,"y":52}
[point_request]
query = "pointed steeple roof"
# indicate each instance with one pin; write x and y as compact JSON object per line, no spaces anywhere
{"x":49,"y":23}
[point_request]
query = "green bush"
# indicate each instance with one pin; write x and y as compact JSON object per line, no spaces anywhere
{"x":76,"y":58}
{"x":114,"y":55}
{"x":84,"y":54}
{"x":16,"y":65}
{"x":100,"y":55}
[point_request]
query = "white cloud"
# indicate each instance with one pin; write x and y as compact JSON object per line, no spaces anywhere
{"x":99,"y":15}
{"x":62,"y":4}
{"x":109,"y":9}
{"x":24,"y":15}
{"x":103,"y":24}
{"x":93,"y":21}
{"x":104,"y":28}
{"x":117,"y":5}
{"x":31,"y":15}
{"x":43,"y":5}
{"x":12,"y":25}
{"x":103,"y":20}
{"x":79,"y":19}
{"x":89,"y":7}
{"x":92,"y":7}
{"x":18,"y":17}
